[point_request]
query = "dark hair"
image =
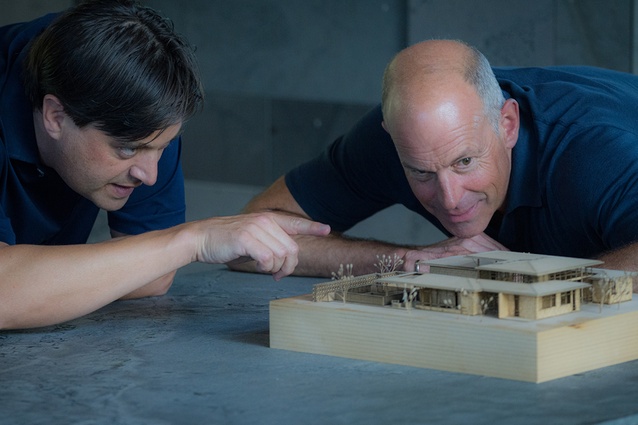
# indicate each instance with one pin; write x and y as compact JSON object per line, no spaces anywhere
{"x":117,"y":65}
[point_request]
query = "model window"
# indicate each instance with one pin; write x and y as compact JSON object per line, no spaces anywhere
{"x":549,"y":301}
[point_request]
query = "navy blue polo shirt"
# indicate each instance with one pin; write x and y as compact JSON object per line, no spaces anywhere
{"x":36,"y":206}
{"x":573,"y":189}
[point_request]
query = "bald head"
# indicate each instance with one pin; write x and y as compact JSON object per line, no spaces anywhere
{"x":431,"y":59}
{"x":421,"y":71}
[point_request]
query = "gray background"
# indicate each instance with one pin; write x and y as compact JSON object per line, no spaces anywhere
{"x":283,"y":78}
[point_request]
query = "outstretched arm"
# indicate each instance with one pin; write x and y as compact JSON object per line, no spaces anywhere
{"x":43,"y":285}
{"x":323,"y":256}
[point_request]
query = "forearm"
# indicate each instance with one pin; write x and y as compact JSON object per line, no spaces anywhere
{"x":42,"y":285}
{"x":155,"y":288}
{"x":326,"y":256}
{"x":320,"y":257}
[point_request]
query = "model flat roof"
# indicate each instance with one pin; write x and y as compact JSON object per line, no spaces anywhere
{"x":516,"y":262}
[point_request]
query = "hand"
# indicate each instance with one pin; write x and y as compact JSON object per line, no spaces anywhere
{"x":450,"y":247}
{"x":263,"y":237}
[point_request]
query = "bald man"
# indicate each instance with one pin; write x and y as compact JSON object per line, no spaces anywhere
{"x":541,"y":160}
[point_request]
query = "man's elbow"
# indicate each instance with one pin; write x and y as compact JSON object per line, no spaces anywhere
{"x":160,"y":291}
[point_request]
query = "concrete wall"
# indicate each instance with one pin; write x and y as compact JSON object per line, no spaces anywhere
{"x":24,"y":10}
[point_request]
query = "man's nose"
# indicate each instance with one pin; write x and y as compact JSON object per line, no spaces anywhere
{"x":145,"y":167}
{"x":448,"y":190}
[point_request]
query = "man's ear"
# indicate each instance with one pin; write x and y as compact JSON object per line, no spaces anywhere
{"x":510,"y":122}
{"x":53,"y":116}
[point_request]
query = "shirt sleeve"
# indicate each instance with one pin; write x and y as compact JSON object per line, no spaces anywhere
{"x":159,"y":206}
{"x":597,"y":187}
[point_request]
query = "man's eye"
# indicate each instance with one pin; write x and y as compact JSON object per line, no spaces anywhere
{"x":421,"y":175}
{"x":126,"y":151}
{"x":465,"y":161}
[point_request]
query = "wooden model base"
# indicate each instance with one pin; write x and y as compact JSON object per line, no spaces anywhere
{"x":532,"y":351}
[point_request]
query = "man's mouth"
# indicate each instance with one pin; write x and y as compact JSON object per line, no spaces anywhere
{"x":463,"y":215}
{"x":122,"y":191}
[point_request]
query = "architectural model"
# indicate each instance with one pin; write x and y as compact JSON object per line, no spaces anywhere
{"x":503,"y":314}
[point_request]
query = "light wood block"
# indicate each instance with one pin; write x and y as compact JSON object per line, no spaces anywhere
{"x":532,"y":351}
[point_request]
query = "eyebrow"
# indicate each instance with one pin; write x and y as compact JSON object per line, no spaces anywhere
{"x":464,"y":155}
{"x":410,"y":167}
{"x":177,"y":135}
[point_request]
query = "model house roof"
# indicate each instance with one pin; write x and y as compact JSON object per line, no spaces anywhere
{"x":516,"y":262}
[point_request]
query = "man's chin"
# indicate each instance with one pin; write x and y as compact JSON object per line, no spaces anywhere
{"x":465,"y":231}
{"x":110,"y":204}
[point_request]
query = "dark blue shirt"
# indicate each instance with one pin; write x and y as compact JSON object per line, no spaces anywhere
{"x":36,"y":206}
{"x":573,"y":189}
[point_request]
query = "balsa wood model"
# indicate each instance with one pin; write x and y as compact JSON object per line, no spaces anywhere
{"x":502,"y":314}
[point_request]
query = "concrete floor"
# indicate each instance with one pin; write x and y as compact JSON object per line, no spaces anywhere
{"x":201,"y":355}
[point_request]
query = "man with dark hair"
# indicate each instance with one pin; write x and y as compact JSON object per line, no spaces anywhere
{"x":541,"y":160}
{"x":92,"y":102}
